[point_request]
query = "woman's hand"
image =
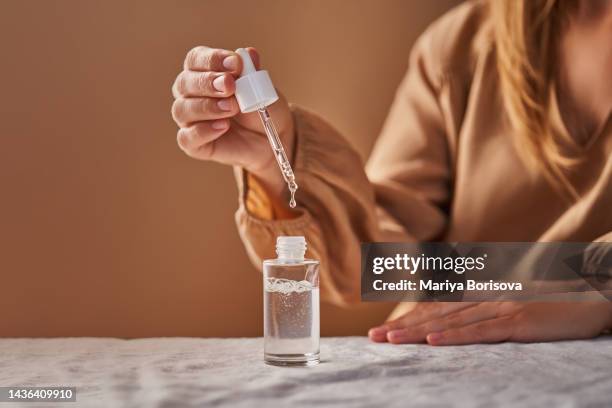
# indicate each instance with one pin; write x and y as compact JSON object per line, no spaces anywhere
{"x":441,"y":324}
{"x":210,"y":122}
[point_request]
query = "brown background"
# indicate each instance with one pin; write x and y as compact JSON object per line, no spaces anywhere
{"x":106,"y":228}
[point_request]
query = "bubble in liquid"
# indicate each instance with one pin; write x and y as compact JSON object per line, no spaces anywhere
{"x":286,"y":286}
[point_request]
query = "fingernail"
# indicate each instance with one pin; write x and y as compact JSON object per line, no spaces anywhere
{"x":219,"y":83}
{"x":219,"y":124}
{"x":377,"y":331}
{"x":395,"y":335}
{"x":434,"y":337}
{"x":230,"y":63}
{"x":224,"y":105}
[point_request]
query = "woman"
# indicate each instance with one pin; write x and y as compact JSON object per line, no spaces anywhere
{"x":500,"y":131}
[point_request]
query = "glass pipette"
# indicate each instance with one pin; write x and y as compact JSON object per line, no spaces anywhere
{"x":279,"y":152}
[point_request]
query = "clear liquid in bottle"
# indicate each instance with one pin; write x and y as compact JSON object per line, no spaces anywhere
{"x":291,"y":309}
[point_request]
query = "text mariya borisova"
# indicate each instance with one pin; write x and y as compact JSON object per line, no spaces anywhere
{"x":470,"y":285}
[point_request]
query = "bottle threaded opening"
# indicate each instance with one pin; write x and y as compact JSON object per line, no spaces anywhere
{"x":291,"y":247}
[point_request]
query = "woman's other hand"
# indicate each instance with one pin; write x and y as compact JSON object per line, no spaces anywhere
{"x":441,"y":324}
{"x":211,"y":126}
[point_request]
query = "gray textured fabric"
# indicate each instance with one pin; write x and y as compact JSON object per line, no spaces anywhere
{"x":175,"y":372}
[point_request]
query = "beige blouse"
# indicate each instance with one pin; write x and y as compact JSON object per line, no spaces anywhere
{"x":444,"y":168}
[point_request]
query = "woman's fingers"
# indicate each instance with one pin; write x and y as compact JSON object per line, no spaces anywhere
{"x":464,"y":317}
{"x":192,"y":138}
{"x":378,"y":334}
{"x":223,"y":142}
{"x":189,"y":110}
{"x":424,"y":312}
{"x":502,"y":321}
{"x":488,"y":331}
{"x":213,"y":59}
{"x":194,"y":84}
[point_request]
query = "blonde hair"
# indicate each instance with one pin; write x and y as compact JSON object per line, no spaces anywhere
{"x":525,"y":35}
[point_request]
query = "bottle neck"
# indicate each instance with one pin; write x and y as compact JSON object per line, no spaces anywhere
{"x":289,"y":255}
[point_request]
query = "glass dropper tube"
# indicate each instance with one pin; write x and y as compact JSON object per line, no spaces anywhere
{"x":279,"y":152}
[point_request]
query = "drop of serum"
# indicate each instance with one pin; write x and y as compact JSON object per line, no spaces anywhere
{"x":292,"y":201}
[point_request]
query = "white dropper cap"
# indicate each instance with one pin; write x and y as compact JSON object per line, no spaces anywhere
{"x":254,"y":89}
{"x":291,"y":247}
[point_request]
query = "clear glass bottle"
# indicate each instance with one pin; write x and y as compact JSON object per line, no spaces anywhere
{"x":291,"y":305}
